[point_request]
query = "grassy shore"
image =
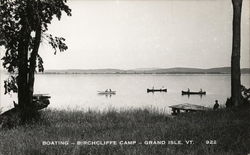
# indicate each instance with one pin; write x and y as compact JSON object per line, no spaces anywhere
{"x":229,"y":129}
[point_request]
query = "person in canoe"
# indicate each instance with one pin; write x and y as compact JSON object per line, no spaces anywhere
{"x":200,"y":90}
{"x":188,"y":90}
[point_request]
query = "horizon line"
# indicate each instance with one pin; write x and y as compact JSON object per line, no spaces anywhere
{"x":145,"y":68}
{"x":153,"y":68}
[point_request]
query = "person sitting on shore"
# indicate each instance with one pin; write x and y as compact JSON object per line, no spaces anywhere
{"x":229,"y":103}
{"x":216,"y":105}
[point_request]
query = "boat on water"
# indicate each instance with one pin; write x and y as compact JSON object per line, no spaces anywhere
{"x":193,"y":93}
{"x":156,"y":90}
{"x":107,"y":92}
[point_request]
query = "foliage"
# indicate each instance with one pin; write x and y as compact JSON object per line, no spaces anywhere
{"x":19,"y":21}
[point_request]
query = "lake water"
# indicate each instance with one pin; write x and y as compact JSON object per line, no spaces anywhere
{"x":79,"y":91}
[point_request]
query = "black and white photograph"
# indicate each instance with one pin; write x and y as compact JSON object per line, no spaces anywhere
{"x":132,"y":77}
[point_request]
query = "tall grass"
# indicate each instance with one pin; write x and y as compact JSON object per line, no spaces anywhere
{"x":229,"y":128}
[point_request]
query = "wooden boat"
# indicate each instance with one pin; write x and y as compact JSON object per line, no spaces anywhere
{"x":40,"y":96}
{"x":106,"y":92}
{"x":11,"y":117}
{"x":193,"y":93}
{"x":156,"y":90}
{"x":40,"y":101}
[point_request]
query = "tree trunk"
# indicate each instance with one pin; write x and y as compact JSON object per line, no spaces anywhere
{"x":24,"y":98}
{"x":33,"y":58}
{"x":235,"y":59}
{"x":23,"y":65}
{"x":34,"y":53}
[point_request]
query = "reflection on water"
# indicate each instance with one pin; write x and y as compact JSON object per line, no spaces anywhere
{"x":188,"y":95}
{"x":79,"y":91}
{"x":106,"y":95}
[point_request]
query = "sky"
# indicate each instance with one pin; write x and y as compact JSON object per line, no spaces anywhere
{"x":128,"y":34}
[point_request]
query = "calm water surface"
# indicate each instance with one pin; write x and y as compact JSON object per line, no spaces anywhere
{"x":79,"y":91}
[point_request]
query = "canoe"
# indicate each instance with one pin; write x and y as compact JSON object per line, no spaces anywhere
{"x":106,"y":92}
{"x":193,"y":93}
{"x":156,"y":90}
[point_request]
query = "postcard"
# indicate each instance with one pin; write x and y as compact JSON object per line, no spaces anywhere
{"x":124,"y":77}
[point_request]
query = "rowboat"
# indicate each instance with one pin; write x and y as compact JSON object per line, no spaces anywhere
{"x":156,"y":90}
{"x":40,"y":96}
{"x":40,"y":101}
{"x":106,"y":92}
{"x":193,"y":93}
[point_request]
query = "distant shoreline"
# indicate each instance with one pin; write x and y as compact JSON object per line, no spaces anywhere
{"x":177,"y":70}
{"x":159,"y":71}
{"x":141,"y":73}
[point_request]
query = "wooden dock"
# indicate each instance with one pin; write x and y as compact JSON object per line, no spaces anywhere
{"x":186,"y":107}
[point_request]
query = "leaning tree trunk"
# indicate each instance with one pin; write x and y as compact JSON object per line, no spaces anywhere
{"x":24,"y":95}
{"x":22,"y":81}
{"x":235,"y":60}
{"x":33,"y":58}
{"x":34,"y":52}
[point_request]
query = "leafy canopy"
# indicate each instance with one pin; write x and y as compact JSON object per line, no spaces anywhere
{"x":14,"y":15}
